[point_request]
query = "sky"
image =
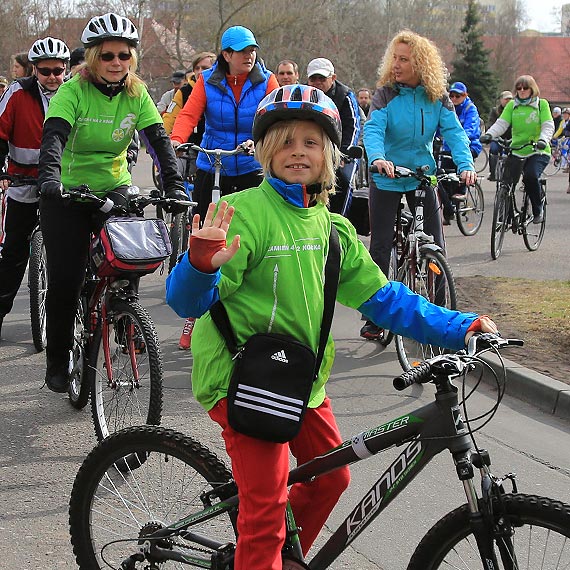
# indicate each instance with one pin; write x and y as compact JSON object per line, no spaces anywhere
{"x":540,"y":14}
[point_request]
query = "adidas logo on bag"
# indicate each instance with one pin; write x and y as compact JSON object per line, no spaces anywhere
{"x":281,"y":356}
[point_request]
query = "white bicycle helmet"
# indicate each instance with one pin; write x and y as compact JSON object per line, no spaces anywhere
{"x":109,"y":26}
{"x":48,"y":48}
{"x":297,"y":102}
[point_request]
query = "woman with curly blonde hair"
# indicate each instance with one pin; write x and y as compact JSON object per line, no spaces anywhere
{"x":408,"y":107}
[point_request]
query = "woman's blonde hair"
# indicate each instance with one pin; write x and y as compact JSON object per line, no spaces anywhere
{"x":528,"y":82}
{"x":274,"y":140}
{"x":133,"y":83}
{"x":426,"y":62}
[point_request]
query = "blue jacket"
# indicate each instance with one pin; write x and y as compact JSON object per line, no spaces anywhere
{"x":229,"y":123}
{"x":469,"y":118}
{"x":401,"y":127}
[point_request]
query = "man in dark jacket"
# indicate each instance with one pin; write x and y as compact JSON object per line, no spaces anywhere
{"x":320,"y":74}
{"x":494,"y":148}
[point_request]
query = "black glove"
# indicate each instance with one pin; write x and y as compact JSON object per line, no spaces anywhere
{"x":51,"y":189}
{"x":486,"y":138}
{"x":176,"y":192}
{"x":540,"y":144}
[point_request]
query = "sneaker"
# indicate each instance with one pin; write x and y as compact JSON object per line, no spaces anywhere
{"x":538,"y":218}
{"x":491,"y":178}
{"x":57,"y":377}
{"x":186,"y":336}
{"x":459,"y":197}
{"x":370,"y":331}
{"x":446,"y":221}
{"x":568,"y":190}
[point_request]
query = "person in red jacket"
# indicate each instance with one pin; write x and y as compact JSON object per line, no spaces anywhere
{"x":22,"y":112}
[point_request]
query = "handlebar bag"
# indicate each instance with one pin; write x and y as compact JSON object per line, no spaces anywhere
{"x":130,"y":245}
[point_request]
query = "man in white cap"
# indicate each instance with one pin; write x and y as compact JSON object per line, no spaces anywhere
{"x":494,"y":148}
{"x":320,"y":74}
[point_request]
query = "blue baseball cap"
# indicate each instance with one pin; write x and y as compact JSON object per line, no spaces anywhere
{"x":458,"y":87}
{"x":238,"y":38}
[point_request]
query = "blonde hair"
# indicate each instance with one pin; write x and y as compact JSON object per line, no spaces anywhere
{"x":426,"y":62}
{"x":527,"y":81}
{"x":133,"y":83}
{"x":274,"y":140}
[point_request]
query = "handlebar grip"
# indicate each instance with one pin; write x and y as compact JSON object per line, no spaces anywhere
{"x":374,"y":169}
{"x":416,"y":375}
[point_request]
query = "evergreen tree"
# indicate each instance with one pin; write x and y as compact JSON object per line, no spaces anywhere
{"x":471,"y":63}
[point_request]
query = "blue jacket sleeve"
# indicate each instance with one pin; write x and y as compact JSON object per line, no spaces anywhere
{"x":189,"y":292}
{"x":472,"y":126}
{"x":456,"y":139}
{"x":396,"y":308}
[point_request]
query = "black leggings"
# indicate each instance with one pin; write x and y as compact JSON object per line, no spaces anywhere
{"x":66,"y":229}
{"x":383,"y":210}
{"x":228,"y":185}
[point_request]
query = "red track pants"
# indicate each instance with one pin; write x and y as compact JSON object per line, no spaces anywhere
{"x":260,"y":469}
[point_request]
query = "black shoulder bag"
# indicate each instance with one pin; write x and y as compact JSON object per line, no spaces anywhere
{"x":274,"y":373}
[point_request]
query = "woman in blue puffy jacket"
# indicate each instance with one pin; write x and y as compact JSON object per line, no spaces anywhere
{"x":409,"y":105}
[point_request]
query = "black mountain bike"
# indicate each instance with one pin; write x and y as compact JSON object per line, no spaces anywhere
{"x":418,"y":262}
{"x":149,"y":497}
{"x":37,"y":272}
{"x":513,"y":209}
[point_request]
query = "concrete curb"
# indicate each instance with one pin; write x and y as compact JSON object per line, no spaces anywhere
{"x":545,"y":393}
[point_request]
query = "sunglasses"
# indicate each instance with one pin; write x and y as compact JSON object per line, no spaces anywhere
{"x":108,"y":56}
{"x":47,"y":71}
{"x":521,"y":88}
{"x":456,"y":95}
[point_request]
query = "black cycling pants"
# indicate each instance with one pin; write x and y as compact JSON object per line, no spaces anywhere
{"x":204,"y":182}
{"x":383,"y":211}
{"x":66,"y":229}
{"x":20,"y":219}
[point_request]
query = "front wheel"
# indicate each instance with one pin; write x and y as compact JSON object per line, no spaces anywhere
{"x":179,"y":230}
{"x":482,"y":161}
{"x":126,"y":370}
{"x":37,"y":284}
{"x":431,"y":277}
{"x":469,"y":212}
{"x":500,"y":221}
{"x":540,"y":537}
{"x":532,"y":233}
{"x":112,"y":507}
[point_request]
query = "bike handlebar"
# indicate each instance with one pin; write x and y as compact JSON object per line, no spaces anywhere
{"x":403,"y":172}
{"x":453,"y":364}
{"x":240,"y":149}
{"x":135,"y":204}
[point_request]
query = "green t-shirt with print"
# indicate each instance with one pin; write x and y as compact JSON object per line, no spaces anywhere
{"x":101,"y":131}
{"x":526,"y":122}
{"x":275,"y":283}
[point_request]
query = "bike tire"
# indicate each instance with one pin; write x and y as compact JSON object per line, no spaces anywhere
{"x":111,"y":507}
{"x":482,"y":161}
{"x":126,"y":401}
{"x":500,"y":221}
{"x":451,"y":544}
{"x":178,"y":230}
{"x":532,"y":233}
{"x":432,"y":279}
{"x":79,"y":378}
{"x":469,"y":214}
{"x":37,"y":284}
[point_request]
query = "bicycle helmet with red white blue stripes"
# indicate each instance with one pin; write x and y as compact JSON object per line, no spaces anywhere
{"x":296,"y":101}
{"x":108,"y":27}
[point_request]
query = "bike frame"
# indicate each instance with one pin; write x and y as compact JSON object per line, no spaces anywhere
{"x":429,"y":430}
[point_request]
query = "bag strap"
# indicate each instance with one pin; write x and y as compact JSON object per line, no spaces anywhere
{"x":332,"y":269}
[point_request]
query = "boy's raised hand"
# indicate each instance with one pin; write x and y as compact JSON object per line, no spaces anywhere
{"x":207,"y":245}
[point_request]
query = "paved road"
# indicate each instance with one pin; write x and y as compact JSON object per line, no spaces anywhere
{"x":43,"y":441}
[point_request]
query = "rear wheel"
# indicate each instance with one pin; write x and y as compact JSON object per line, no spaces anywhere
{"x":79,"y":384}
{"x":129,"y":393}
{"x":37,"y":284}
{"x":533,"y":233}
{"x":113,"y":506}
{"x":469,"y":213}
{"x":179,"y":231}
{"x":540,"y":539}
{"x":431,"y":278}
{"x":500,"y":220}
